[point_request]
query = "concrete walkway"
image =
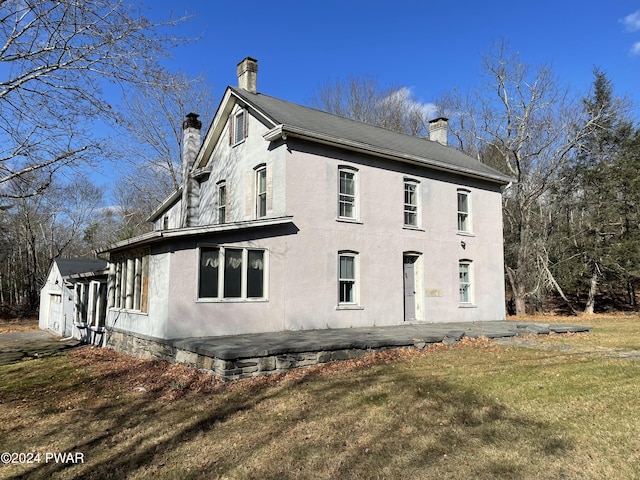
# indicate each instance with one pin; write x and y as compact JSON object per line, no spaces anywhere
{"x":31,"y":344}
{"x":281,"y":343}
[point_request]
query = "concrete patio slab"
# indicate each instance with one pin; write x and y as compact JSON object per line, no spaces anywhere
{"x":239,"y":356}
{"x":18,"y":346}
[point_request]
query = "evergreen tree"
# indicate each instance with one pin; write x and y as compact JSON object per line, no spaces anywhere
{"x":596,"y":223}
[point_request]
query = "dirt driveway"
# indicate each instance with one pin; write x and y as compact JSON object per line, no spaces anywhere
{"x":18,"y":346}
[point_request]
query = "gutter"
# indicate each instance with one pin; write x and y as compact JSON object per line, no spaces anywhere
{"x":282,"y":131}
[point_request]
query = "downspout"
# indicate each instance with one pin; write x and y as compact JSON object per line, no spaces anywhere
{"x":65,"y":327}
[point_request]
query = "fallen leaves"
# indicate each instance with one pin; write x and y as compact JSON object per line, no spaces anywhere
{"x":167,"y":381}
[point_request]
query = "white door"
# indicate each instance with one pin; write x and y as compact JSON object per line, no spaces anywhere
{"x":409,"y":262}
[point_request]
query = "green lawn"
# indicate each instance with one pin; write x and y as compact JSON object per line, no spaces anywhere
{"x":559,"y":407}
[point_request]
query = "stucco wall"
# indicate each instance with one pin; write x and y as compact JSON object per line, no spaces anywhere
{"x":172,"y":215}
{"x":190,"y":316}
{"x":380,"y":240}
{"x":236,"y":166}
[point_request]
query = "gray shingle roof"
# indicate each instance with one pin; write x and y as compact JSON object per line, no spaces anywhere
{"x":73,"y":266}
{"x":379,"y":139}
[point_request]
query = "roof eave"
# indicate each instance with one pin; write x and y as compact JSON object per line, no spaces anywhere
{"x":161,"y":235}
{"x":282,"y":131}
{"x":166,"y":203}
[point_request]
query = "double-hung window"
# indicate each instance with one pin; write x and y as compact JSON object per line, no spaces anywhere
{"x":464,"y":211}
{"x":222,"y":202}
{"x":261,"y":192}
{"x":410,"y":203}
{"x":464,"y":272}
{"x":347,"y":278}
{"x":232,"y":273}
{"x":347,"y":191}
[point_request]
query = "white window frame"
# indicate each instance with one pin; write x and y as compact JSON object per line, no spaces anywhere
{"x":464,"y":216}
{"x":465,"y":285}
{"x":345,"y":198}
{"x":222,"y":265}
{"x":354,"y":281}
{"x":222,"y":201}
{"x":411,"y":209}
{"x":261,"y":194}
{"x":238,"y":127}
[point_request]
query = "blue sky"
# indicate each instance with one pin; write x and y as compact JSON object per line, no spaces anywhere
{"x":427,"y":46}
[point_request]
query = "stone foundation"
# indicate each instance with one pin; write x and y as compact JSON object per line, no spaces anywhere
{"x":156,"y":349}
{"x":243,"y":356}
{"x":139,"y":346}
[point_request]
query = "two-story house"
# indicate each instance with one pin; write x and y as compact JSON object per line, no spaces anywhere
{"x":290,"y":218}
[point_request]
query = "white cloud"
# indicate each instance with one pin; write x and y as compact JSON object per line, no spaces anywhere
{"x":635,"y":50}
{"x":405,"y":96}
{"x":632,"y":21}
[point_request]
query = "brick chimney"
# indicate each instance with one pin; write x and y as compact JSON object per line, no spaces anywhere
{"x":190,"y":188}
{"x":248,"y":74}
{"x":438,"y":130}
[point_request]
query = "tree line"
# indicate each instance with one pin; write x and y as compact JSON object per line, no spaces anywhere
{"x":571,"y":227}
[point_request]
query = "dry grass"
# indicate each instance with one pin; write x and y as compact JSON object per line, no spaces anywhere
{"x":473,"y":410}
{"x":18,"y":324}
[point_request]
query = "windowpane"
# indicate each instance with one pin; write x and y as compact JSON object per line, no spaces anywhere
{"x":346,"y":268}
{"x":261,"y":192}
{"x":346,"y":292}
{"x":255,"y":274}
{"x":222,"y":203}
{"x":346,"y":282}
{"x":410,"y":204}
{"x":233,"y":273}
{"x":346,"y":197}
{"x":462,"y":202}
{"x":347,"y":186}
{"x":239,"y":127}
{"x":209,"y":267}
{"x":465,"y":283}
{"x":463,"y":211}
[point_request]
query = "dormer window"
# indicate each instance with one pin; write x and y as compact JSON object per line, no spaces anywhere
{"x":238,"y":127}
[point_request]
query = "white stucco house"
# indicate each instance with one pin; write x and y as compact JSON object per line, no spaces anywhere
{"x":290,"y":218}
{"x":73,"y":300}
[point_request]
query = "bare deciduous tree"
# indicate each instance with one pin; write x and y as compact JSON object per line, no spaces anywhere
{"x":37,"y":229}
{"x":151,"y":123}
{"x":363,"y":99}
{"x":528,"y":126}
{"x":148,"y":148}
{"x":57,"y":58}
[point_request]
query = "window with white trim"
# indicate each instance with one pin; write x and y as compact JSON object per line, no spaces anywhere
{"x":232,"y":273}
{"x":464,"y":210}
{"x":131,"y":281}
{"x":347,"y":278}
{"x":347,"y":193}
{"x":261,"y":192}
{"x":465,"y":279}
{"x":410,"y":203}
{"x":238,"y":127}
{"x":222,"y":201}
